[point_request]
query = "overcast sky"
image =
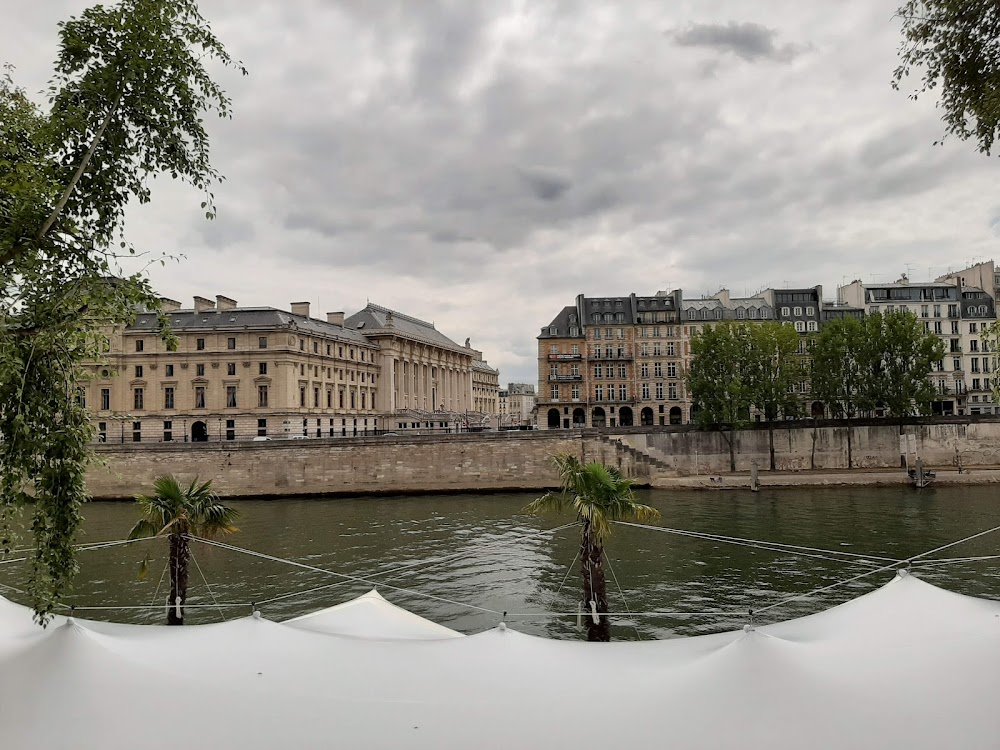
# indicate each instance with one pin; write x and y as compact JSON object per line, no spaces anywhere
{"x":478,"y":164}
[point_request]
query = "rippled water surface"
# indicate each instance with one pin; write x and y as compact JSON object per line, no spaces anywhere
{"x":499,"y":562}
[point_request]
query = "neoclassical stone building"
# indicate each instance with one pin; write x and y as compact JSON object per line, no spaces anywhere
{"x":243,"y":372}
{"x":430,"y":381}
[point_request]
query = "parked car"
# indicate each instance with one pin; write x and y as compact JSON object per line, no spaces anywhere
{"x":261,"y":438}
{"x":298,"y":437}
{"x":390,"y":434}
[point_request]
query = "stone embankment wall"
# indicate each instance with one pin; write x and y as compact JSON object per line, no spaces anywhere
{"x":517,"y":460}
{"x":281,"y":468}
{"x":805,"y":448}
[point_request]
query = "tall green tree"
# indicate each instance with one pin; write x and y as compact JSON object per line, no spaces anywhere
{"x":776,"y":366}
{"x":956,"y":45}
{"x":721,"y":380}
{"x":598,"y":495}
{"x":126,"y":103}
{"x":840,"y":372}
{"x":179,"y":513}
{"x":899,"y":354}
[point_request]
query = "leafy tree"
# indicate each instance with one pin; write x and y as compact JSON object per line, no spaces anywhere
{"x":955,"y":43}
{"x":598,"y":495}
{"x":721,"y":380}
{"x":839,"y":372}
{"x":899,"y":354}
{"x":179,"y":513}
{"x":126,"y":102}
{"x":776,"y":368}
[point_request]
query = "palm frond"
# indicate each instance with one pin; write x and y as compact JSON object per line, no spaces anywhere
{"x":143,"y":529}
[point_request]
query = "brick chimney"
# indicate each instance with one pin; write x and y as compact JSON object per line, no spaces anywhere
{"x":201,"y":304}
{"x":224,"y":303}
{"x":168,"y":305}
{"x":337,"y":318}
{"x":300,"y":308}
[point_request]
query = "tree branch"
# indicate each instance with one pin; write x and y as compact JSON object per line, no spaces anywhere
{"x":81,"y":168}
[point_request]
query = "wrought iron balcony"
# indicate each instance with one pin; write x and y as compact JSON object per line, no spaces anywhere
{"x":564,"y":357}
{"x":612,"y":355}
{"x":565,"y":378}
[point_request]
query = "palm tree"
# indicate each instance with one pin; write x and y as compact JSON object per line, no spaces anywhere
{"x":598,"y":495}
{"x":179,"y":513}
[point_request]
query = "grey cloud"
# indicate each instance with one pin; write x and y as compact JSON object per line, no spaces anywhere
{"x":547,"y":185}
{"x":749,"y":41}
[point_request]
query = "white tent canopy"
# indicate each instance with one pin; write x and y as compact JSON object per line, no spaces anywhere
{"x":906,"y":666}
{"x":371,"y":616}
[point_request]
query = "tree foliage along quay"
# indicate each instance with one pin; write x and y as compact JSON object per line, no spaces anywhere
{"x":126,"y":103}
{"x":954,"y":43}
{"x":880,"y":362}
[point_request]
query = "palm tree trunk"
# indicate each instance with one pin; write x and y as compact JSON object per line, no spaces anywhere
{"x":595,"y":588}
{"x":180,"y":555}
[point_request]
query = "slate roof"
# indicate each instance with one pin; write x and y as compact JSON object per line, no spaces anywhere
{"x":373,"y":318}
{"x":478,"y":364}
{"x":253,"y":318}
{"x":561,"y":323}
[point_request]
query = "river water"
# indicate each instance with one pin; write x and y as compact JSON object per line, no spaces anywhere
{"x":499,"y":562}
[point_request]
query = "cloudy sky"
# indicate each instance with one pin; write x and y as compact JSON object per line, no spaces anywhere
{"x":478,"y":163}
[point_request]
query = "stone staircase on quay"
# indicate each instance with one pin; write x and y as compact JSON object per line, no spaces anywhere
{"x":645,"y":463}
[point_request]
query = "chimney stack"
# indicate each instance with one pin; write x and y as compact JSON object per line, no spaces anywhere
{"x":336,"y":318}
{"x":201,"y":304}
{"x":300,"y":308}
{"x":224,"y":303}
{"x":168,"y":305}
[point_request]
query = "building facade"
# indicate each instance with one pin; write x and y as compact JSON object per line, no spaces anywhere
{"x":520,"y":409}
{"x":258,"y":372}
{"x":612,"y":361}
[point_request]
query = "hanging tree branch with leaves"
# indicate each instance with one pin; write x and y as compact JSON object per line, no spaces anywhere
{"x":126,"y":103}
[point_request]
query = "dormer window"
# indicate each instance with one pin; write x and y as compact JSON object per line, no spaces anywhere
{"x":553,"y":330}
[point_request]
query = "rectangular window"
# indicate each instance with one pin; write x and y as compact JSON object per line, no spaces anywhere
{"x":315,"y":347}
{"x":622,"y":370}
{"x":553,"y":370}
{"x":168,"y":371}
{"x":599,"y":392}
{"x":554,"y":392}
{"x":937,"y":311}
{"x":622,"y":392}
{"x":168,"y":398}
{"x":261,"y":395}
{"x":302,"y":396}
{"x":199,"y":344}
{"x":657,"y":369}
{"x":659,"y":391}
{"x":138,"y":371}
{"x":576,"y":393}
{"x":231,"y":343}
{"x":261,"y":428}
{"x":302,"y":345}
{"x":956,"y":364}
{"x":230,"y":396}
{"x":168,"y":434}
{"x":598,"y":371}
{"x":137,"y":432}
{"x":105,"y":399}
{"x":937,"y":327}
{"x":102,"y":432}
{"x":199,"y":371}
{"x":262,"y":368}
{"x":672,"y":391}
{"x":923,"y":311}
{"x":340,"y":398}
{"x":139,"y":344}
{"x":230,"y":368}
{"x":329,"y":399}
{"x":644,"y":369}
{"x":670,"y":349}
{"x":137,"y":399}
{"x":230,"y":429}
{"x":954,"y":327}
{"x":973,"y":328}
{"x":671,"y":369}
{"x":952,"y":311}
{"x":262,"y":342}
{"x":656,"y":349}
{"x":199,"y":397}
{"x":811,"y":326}
{"x":316,"y":397}
{"x":975,"y":364}
{"x":645,"y":391}
{"x":974,"y":345}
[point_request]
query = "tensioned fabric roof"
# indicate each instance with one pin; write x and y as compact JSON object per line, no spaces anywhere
{"x":907,"y":666}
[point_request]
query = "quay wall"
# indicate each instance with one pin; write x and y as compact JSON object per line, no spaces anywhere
{"x":519,"y":460}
